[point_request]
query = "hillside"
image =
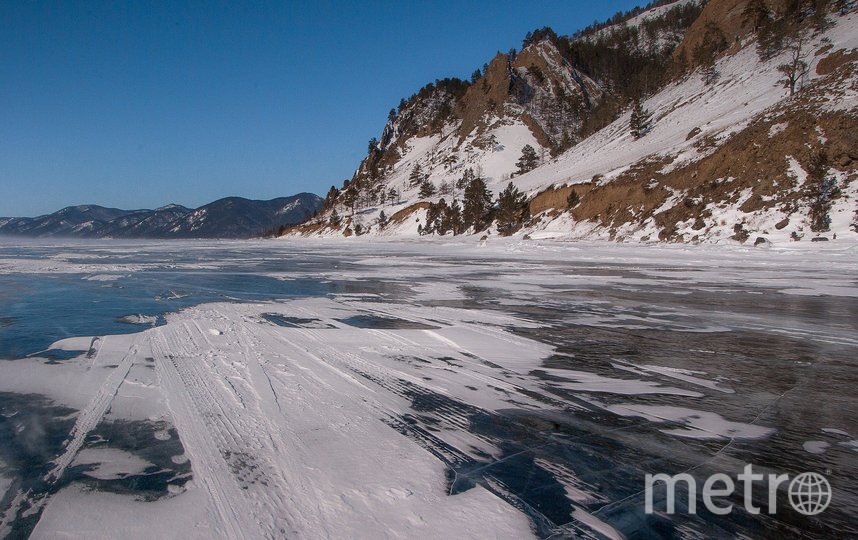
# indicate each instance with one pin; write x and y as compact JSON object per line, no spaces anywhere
{"x":232,"y":217}
{"x":728,"y":155}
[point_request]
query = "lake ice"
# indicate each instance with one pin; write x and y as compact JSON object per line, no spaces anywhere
{"x":383,"y":389}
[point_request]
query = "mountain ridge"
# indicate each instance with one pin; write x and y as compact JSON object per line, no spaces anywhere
{"x":732,"y":151}
{"x":229,"y":217}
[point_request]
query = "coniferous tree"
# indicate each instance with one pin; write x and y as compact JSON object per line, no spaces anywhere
{"x":755,"y":14}
{"x":416,"y":176}
{"x":463,"y":182}
{"x":710,"y":72}
{"x":823,"y":188}
{"x":713,"y":43}
{"x":773,"y":32}
{"x":453,"y":218}
{"x":434,"y":217}
{"x":641,"y":120}
{"x":392,"y":196}
{"x":372,"y":145}
{"x":427,"y":189}
{"x":573,"y":199}
{"x":821,"y":9}
{"x":331,"y":197}
{"x":350,"y":197}
{"x":477,"y":206}
{"x":382,"y":220}
{"x":446,"y":188}
{"x":528,"y":160}
{"x":334,"y":218}
{"x":512,"y":210}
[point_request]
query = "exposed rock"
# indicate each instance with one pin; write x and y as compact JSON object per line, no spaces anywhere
{"x":835,"y":60}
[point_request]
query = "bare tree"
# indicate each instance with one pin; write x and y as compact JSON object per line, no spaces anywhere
{"x":795,"y":70}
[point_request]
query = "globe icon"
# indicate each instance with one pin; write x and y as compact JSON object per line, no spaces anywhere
{"x":809,"y":493}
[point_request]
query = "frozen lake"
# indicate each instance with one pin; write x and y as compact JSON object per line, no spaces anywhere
{"x":367,"y":390}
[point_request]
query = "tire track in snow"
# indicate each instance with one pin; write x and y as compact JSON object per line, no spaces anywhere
{"x":234,"y":448}
{"x":207,"y":466}
{"x":90,"y":416}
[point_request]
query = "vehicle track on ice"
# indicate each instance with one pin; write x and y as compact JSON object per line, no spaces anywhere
{"x":92,"y":414}
{"x":227,"y":441}
{"x":235,"y":430}
{"x":35,"y":500}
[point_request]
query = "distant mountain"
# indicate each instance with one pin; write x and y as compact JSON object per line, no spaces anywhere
{"x":232,"y":217}
{"x":144,"y":224}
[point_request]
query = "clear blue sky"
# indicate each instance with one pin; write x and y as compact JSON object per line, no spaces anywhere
{"x":136,"y":105}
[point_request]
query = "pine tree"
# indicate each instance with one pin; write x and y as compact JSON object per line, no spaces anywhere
{"x":416,"y":177}
{"x":512,"y":210}
{"x":453,"y":218}
{"x":331,"y":197}
{"x":821,"y":9}
{"x":350,"y":197}
{"x":823,"y":188}
{"x":334,"y":219}
{"x":463,"y":182}
{"x":573,"y":199}
{"x":427,"y":189}
{"x":528,"y":160}
{"x":710,"y":72}
{"x":392,"y":196}
{"x":372,"y":145}
{"x":446,"y":188}
{"x":382,"y":219}
{"x":755,"y":14}
{"x":773,"y":32}
{"x":434,"y":217}
{"x":713,"y":43}
{"x":477,"y":206}
{"x":641,"y":120}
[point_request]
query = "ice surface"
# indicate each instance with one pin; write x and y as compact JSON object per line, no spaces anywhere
{"x":700,"y":424}
{"x":515,"y":389}
{"x":109,"y":463}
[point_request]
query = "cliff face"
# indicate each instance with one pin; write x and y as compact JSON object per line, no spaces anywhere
{"x":536,"y":88}
{"x":730,"y":154}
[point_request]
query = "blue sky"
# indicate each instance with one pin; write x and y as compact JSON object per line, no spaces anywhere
{"x":137,"y":105}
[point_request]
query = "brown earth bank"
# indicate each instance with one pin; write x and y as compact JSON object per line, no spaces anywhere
{"x":755,"y":159}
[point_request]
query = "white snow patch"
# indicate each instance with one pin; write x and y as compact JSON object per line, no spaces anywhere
{"x":700,"y":424}
{"x":110,"y":463}
{"x":815,"y":447}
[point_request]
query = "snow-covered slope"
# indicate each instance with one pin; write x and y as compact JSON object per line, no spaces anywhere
{"x":635,"y":189}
